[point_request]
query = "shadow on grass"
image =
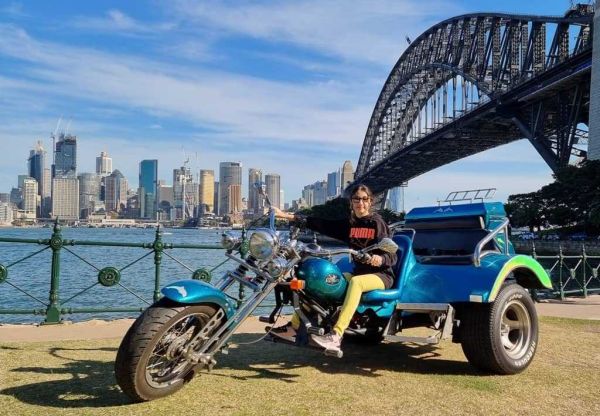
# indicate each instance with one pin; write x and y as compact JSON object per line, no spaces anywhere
{"x":92,"y":383}
{"x":359,"y":359}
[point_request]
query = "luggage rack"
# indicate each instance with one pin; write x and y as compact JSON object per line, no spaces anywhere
{"x":470,"y":195}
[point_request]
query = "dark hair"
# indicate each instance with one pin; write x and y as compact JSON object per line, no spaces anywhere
{"x":364,"y":188}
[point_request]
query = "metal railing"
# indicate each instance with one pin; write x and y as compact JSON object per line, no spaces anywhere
{"x":573,"y":274}
{"x":108,"y":276}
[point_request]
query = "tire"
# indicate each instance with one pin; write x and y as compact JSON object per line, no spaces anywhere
{"x":501,"y":337}
{"x":150,"y":362}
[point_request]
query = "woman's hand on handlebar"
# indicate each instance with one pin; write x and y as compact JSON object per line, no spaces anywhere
{"x":376,"y":260}
{"x":283,"y":215}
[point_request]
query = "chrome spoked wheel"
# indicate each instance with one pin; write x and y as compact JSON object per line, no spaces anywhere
{"x":167,"y":361}
{"x":515,"y":330}
{"x":151,"y":361}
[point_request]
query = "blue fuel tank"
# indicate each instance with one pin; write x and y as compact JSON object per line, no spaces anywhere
{"x":324,"y":280}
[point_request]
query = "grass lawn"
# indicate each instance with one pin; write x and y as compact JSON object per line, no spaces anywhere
{"x":76,"y":378}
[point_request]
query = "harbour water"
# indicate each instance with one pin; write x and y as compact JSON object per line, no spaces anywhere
{"x":28,"y":282}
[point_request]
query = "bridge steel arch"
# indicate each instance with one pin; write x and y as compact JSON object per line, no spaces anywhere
{"x":518,"y":76}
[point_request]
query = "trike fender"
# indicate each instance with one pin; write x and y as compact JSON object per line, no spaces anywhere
{"x":196,"y":291}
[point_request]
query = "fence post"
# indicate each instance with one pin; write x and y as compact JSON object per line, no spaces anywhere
{"x":158,"y":247}
{"x":53,"y":309}
{"x":560,"y":272}
{"x":584,"y":264}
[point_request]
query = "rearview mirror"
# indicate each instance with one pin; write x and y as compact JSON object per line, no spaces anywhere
{"x":387,"y":245}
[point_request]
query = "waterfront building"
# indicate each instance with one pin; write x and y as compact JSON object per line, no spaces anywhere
{"x":37,"y":167}
{"x":207,"y":190}
{"x":21,"y":180}
{"x":30,"y":196}
{"x":46,"y":193}
{"x":315,"y":194}
{"x":234,"y":199}
{"x":147,"y":193}
{"x":103,"y":165}
{"x":65,"y":198}
{"x":4,"y":197}
{"x":319,"y":192}
{"x":165,"y":200}
{"x":89,"y":194}
{"x":230,"y":174}
{"x":333,"y":184}
{"x":254,"y":200}
{"x":16,"y":196}
{"x":65,"y":157}
{"x":115,"y":192}
{"x":185,"y":193}
{"x":273,"y":188}
{"x":6,"y":213}
{"x":394,"y":199}
{"x":346,"y":175}
{"x":217,"y":197}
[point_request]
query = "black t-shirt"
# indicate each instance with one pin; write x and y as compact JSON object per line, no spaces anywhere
{"x":359,"y":233}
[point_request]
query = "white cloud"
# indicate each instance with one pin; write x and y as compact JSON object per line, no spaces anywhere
{"x":358,"y":30}
{"x":241,"y":105}
{"x":117,"y":22}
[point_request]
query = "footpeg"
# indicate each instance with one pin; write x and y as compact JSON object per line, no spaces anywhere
{"x":315,"y":330}
{"x":334,"y":353}
{"x":265,"y":318}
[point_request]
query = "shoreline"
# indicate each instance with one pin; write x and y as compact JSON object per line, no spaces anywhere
{"x":572,"y":308}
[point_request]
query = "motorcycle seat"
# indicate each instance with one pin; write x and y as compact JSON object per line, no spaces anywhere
{"x":393,"y":293}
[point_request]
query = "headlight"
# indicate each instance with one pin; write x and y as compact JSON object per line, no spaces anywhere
{"x":229,"y":241}
{"x":264,"y":244}
{"x":276,"y":267}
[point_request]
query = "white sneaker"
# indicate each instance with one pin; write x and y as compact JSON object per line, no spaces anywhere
{"x":331,"y":341}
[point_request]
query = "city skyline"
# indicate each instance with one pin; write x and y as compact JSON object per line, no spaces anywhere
{"x":281,"y":91}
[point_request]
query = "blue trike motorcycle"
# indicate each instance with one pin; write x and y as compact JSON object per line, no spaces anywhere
{"x":456,"y":274}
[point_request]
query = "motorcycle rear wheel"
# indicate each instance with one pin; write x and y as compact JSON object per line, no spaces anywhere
{"x":150,"y":362}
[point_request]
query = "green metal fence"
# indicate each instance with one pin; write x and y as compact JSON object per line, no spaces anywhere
{"x":108,"y":276}
{"x":573,"y":274}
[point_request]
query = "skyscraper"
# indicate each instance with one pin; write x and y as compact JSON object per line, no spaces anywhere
{"x":65,"y":157}
{"x":254,"y":200}
{"x":30,"y":196}
{"x":273,"y":188}
{"x":207,"y":190}
{"x":333,"y":184}
{"x":147,"y":193}
{"x":89,"y":193}
{"x":65,"y":198}
{"x":115,"y":192}
{"x":347,"y":175}
{"x":230,"y":173}
{"x":185,"y":193}
{"x":103,"y":165}
{"x":36,"y":164}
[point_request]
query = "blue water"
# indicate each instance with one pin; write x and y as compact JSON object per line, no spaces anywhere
{"x":33,"y":275}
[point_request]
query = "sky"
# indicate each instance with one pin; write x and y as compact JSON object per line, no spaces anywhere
{"x":287,"y":87}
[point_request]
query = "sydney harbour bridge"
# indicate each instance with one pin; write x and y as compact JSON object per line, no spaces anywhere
{"x":478,"y":81}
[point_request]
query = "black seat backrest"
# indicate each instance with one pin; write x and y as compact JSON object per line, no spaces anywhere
{"x":448,"y":236}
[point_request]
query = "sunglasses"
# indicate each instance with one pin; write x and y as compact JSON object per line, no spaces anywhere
{"x":357,"y":199}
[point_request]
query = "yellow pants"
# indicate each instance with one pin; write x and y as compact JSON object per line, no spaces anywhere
{"x":358,"y":285}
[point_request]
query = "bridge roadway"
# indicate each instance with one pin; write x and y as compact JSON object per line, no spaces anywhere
{"x":492,"y":124}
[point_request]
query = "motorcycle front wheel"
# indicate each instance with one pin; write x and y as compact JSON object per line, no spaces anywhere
{"x":150,"y":362}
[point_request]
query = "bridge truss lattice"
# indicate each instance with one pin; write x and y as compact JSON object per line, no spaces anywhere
{"x":478,"y":81}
